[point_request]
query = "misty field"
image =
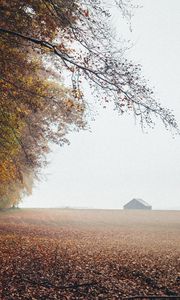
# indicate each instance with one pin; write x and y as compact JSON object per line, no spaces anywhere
{"x":88,"y":254}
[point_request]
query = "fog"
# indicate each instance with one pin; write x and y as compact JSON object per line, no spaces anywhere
{"x":116,"y":161}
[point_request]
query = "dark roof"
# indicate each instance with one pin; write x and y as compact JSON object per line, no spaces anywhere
{"x":140,"y":201}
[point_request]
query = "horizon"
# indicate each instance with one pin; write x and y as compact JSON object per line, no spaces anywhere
{"x":106,"y":166}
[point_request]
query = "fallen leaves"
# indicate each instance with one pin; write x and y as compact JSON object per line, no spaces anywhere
{"x":66,"y":254}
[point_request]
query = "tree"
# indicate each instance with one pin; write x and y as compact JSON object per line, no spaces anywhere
{"x":86,"y":49}
{"x":34,"y":109}
{"x":42,"y":41}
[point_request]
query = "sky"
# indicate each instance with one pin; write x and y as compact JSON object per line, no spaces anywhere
{"x":115,"y":161}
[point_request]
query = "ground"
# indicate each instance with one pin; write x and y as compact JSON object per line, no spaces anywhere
{"x":88,"y":254}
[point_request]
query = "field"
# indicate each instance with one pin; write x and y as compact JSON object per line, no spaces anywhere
{"x":88,"y":254}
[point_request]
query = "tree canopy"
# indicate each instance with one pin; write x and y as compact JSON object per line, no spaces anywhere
{"x":49,"y":50}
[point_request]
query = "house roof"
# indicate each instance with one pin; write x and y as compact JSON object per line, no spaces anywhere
{"x":140,"y":201}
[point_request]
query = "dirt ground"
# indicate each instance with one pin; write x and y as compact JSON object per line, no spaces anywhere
{"x":89,"y":254}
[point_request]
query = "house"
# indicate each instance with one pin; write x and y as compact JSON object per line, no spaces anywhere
{"x":137,"y":204}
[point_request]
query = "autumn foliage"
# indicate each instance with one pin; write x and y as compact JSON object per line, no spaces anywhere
{"x":51,"y":52}
{"x":35,"y":109}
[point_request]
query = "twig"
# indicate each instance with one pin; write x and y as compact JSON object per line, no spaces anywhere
{"x":62,"y":287}
{"x":152,"y":297}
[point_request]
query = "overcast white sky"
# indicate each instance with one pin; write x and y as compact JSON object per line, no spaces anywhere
{"x":116,"y":161}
